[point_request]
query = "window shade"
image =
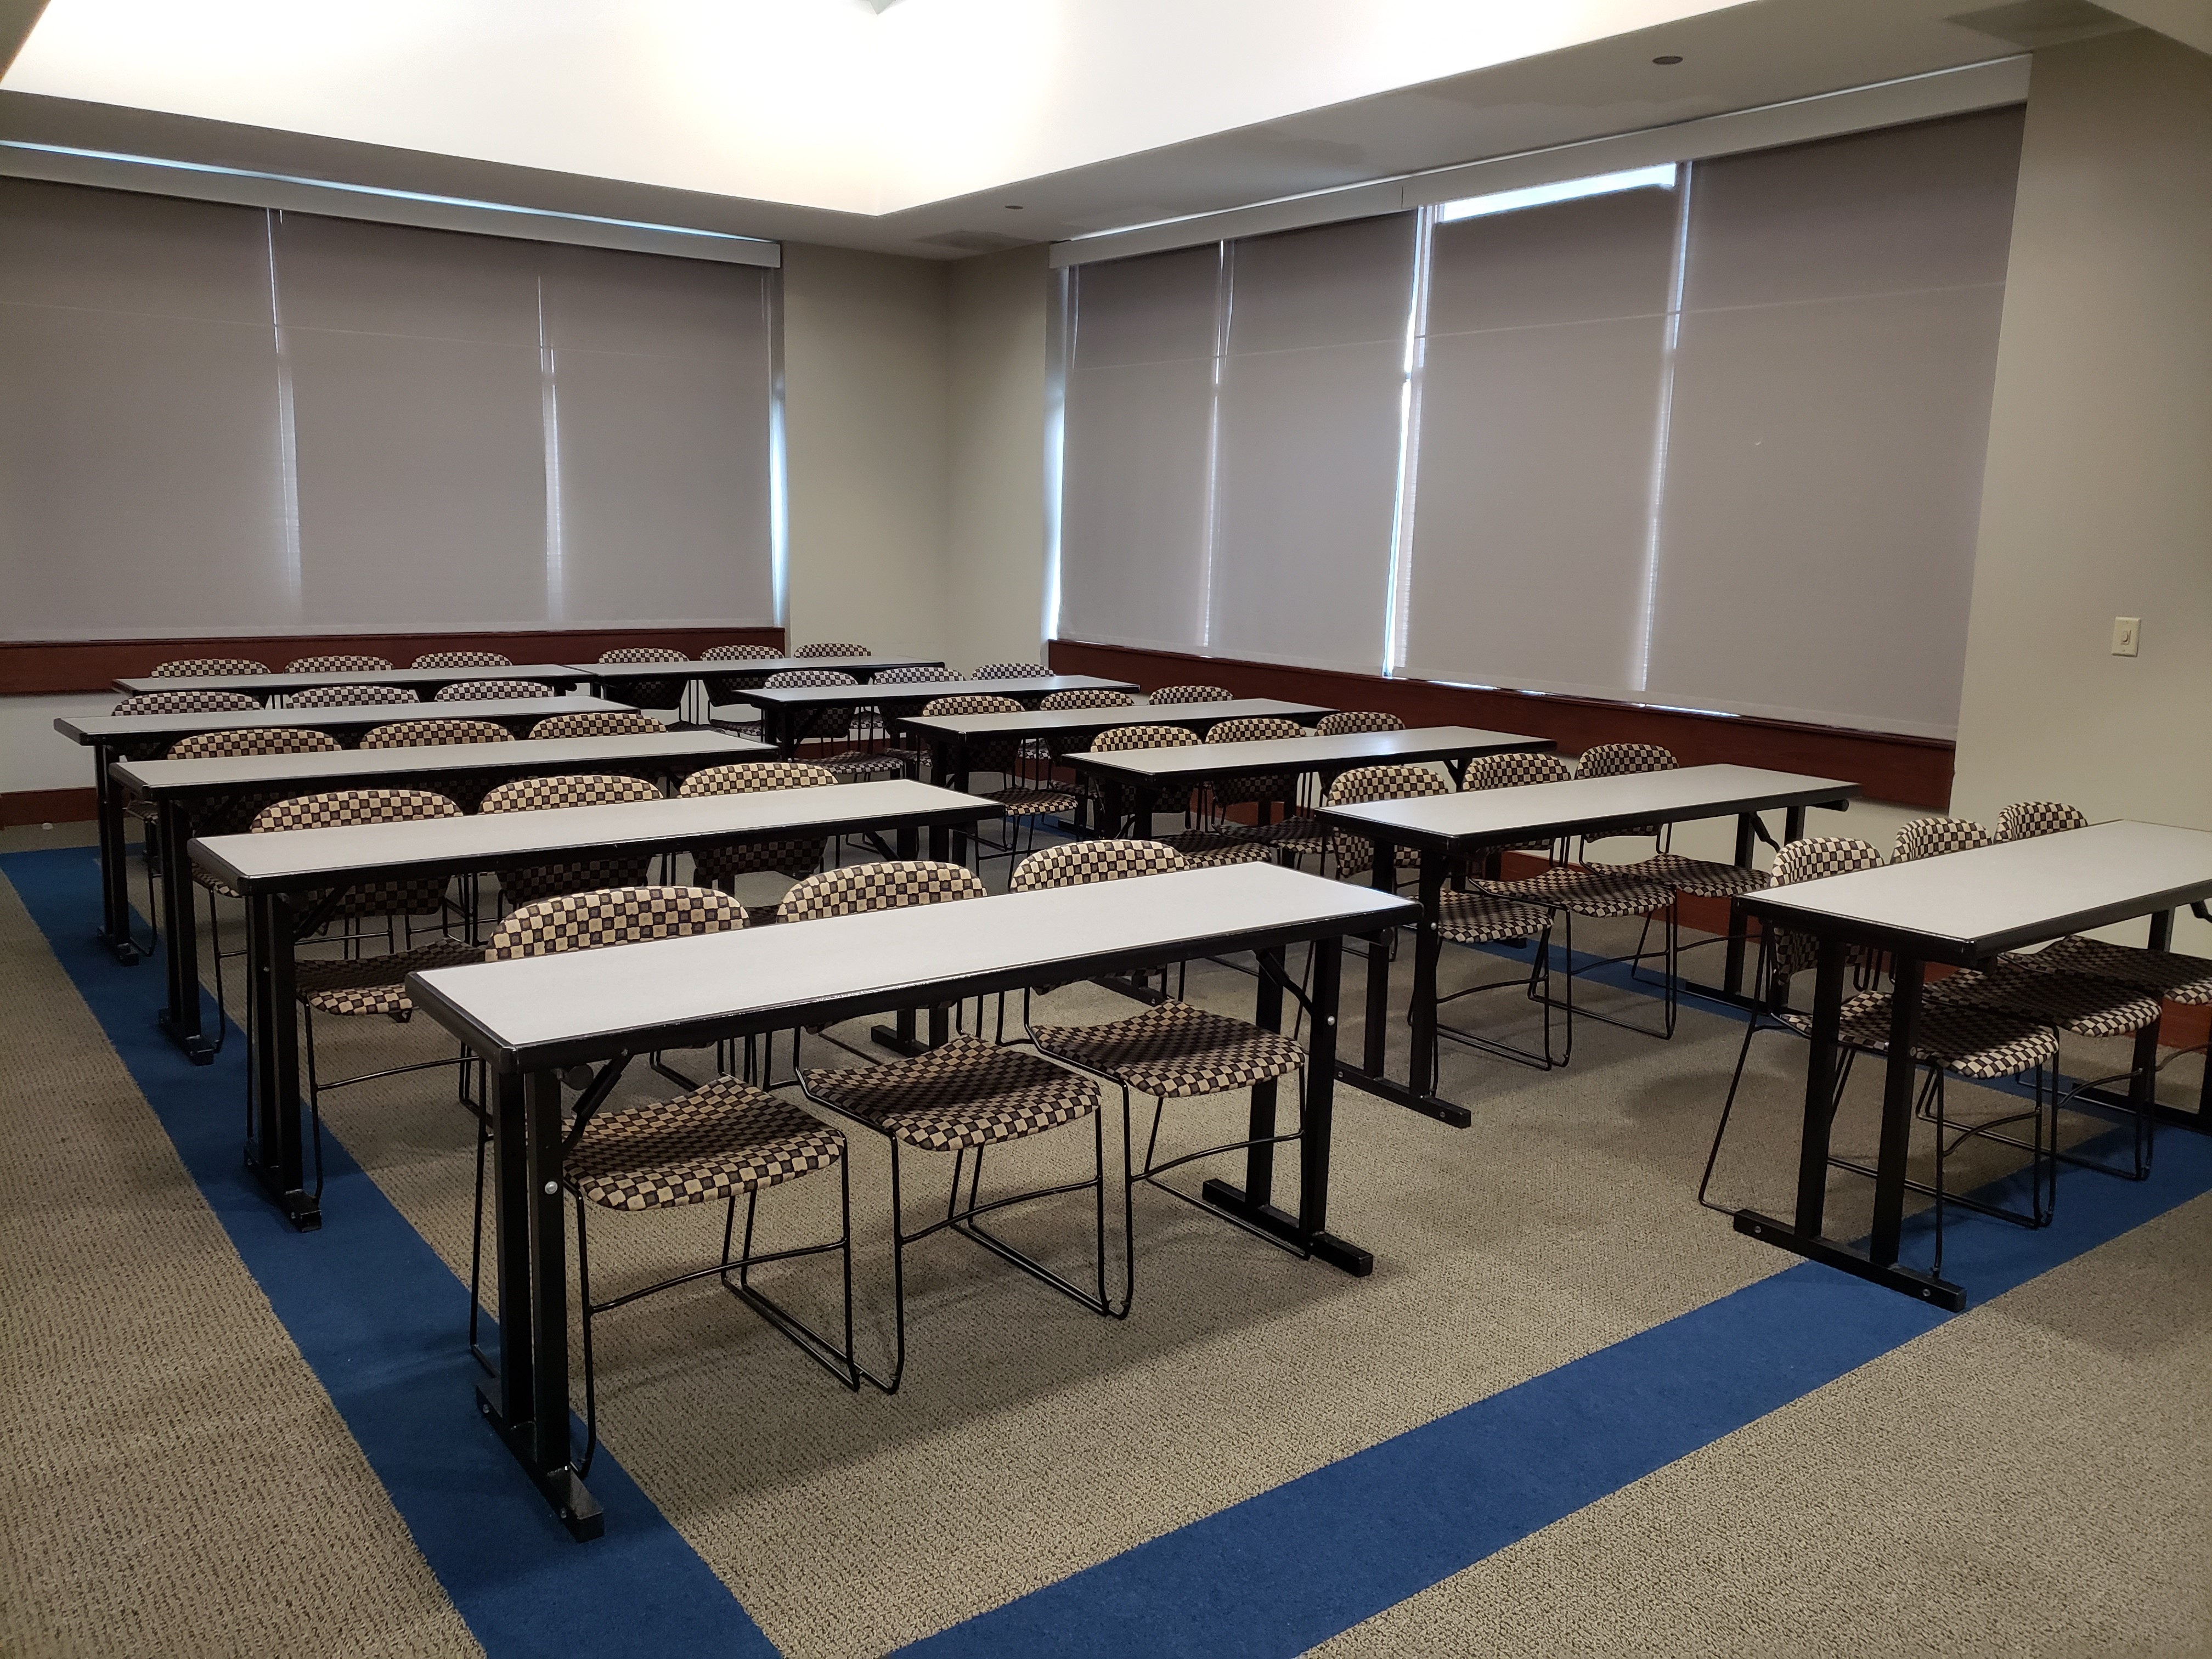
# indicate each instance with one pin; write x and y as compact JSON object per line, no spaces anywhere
{"x":224,"y":420}
{"x":1831,"y":416}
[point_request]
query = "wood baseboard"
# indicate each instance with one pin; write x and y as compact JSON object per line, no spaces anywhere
{"x":48,"y":807}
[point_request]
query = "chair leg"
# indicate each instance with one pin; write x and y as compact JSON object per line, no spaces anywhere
{"x":590,"y":1373}
{"x":1727,"y":1106}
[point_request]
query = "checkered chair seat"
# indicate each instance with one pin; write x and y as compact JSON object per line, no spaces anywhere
{"x":722,"y":1140}
{"x":596,"y":723}
{"x":1174,"y":1050}
{"x":791,"y":858}
{"x":2024,"y":820}
{"x":192,"y":668}
{"x":616,"y":916}
{"x":967,"y":1093}
{"x":338,"y":665}
{"x":833,"y":648}
{"x":1011,"y":670}
{"x":1210,"y":849}
{"x":1703,"y":877}
{"x":1483,"y":919}
{"x":1191,"y":694}
{"x":1023,"y":801}
{"x":539,"y":881}
{"x":351,"y":697}
{"x":1079,"y":863}
{"x":653,"y":694}
{"x":2167,"y":974}
{"x":434,"y":734}
{"x":1584,"y":891}
{"x":1350,"y":721}
{"x":857,"y":766}
{"x":1969,"y":1041}
{"x":891,"y":884}
{"x":491,"y":690}
{"x":374,"y":985}
{"x":2074,"y":1002}
{"x":1929,"y":838}
{"x":463,"y":660}
{"x":1300,"y":836}
{"x":424,"y":896}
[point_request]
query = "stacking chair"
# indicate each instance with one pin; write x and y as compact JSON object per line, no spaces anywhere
{"x":836,"y":725}
{"x":596,"y":723}
{"x":1347,"y":722}
{"x":1468,"y":919}
{"x":1702,"y":877}
{"x":831,"y":648}
{"x":1200,"y":847}
{"x":1285,"y":836}
{"x":354,"y":986}
{"x":1955,"y":1039}
{"x":875,"y":728}
{"x":721,"y":1141}
{"x":542,"y":881}
{"x":466,"y":792}
{"x":2024,"y":986}
{"x":1570,"y":891}
{"x":2024,"y":820}
{"x":1168,"y":694}
{"x":463,"y":660}
{"x":732,"y":688}
{"x":187,"y":668}
{"x":1011,"y":670}
{"x":1055,"y":748}
{"x":490,"y":690}
{"x":1027,"y":795}
{"x":234,"y":817}
{"x":338,"y":665}
{"x":961,"y":1098}
{"x":350,"y":696}
{"x":653,"y":694}
{"x":1171,"y":1051}
{"x":721,"y":863}
{"x":175,"y":702}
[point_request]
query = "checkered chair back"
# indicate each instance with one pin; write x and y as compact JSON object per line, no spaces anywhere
{"x":175,"y":702}
{"x":540,"y":881}
{"x":832,"y":648}
{"x":192,"y":668}
{"x":1351,"y":721}
{"x":338,"y":665}
{"x":616,"y":916}
{"x":1929,"y":838}
{"x":351,"y":697}
{"x":596,"y":723}
{"x":821,"y":725}
{"x":1089,"y":697}
{"x":913,"y":677}
{"x":1614,"y":760}
{"x":491,"y":690}
{"x":463,"y":660}
{"x":1193,"y":694}
{"x":1515,"y":771}
{"x":1079,"y":863}
{"x":1355,"y":854}
{"x":1808,"y":860}
{"x":798,"y":857}
{"x":1000,"y":756}
{"x":2024,"y":820}
{"x":1011,"y":670}
{"x":231,"y":815}
{"x":894,"y":884}
{"x":1117,"y":738}
{"x":424,"y":896}
{"x":1253,"y":728}
{"x":653,"y":694}
{"x":732,"y":688}
{"x":431,"y":734}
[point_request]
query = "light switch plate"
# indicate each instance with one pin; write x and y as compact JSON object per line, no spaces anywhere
{"x":2127,"y":635}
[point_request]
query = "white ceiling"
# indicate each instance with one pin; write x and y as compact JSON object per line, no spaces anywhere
{"x":936,"y":126}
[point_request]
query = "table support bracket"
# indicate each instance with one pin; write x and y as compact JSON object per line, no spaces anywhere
{"x":1907,"y":1281}
{"x":1280,"y":1224}
{"x":562,"y":1488}
{"x":1444,"y":1111}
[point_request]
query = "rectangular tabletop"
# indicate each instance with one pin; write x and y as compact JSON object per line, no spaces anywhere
{"x":304,"y":859}
{"x":1043,"y":722}
{"x":551,"y":673}
{"x":159,"y":779}
{"x":584,"y":1005}
{"x":1967,"y":907}
{"x":859,"y":667}
{"x":1311,"y":754}
{"x":124,"y":728}
{"x":1593,"y":807}
{"x":832,"y":696}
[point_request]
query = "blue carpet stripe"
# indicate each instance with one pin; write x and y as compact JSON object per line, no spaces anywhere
{"x":380,"y":1319}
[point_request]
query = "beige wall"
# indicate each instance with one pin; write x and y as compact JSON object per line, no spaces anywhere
{"x":2097,"y":502}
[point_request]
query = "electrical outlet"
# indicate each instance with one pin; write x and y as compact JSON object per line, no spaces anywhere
{"x":2127,"y":635}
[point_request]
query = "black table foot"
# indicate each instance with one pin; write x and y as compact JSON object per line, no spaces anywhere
{"x":562,"y":1488}
{"x":124,"y":951}
{"x":194,"y":1043}
{"x":1326,"y":1247}
{"x":300,"y":1207}
{"x":1443,"y":1111}
{"x":888,"y":1036}
{"x":1905,"y":1281}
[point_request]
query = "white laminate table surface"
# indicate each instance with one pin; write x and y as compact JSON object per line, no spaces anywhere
{"x":1310,"y":754}
{"x":157,"y":778}
{"x":1546,"y":810}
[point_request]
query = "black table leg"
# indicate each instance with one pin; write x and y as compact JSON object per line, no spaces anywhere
{"x":1820,"y":1090}
{"x":277,"y":1153}
{"x":899,"y":1038}
{"x":1898,"y":1074}
{"x":1793,"y":823}
{"x":1109,"y":807}
{"x":114,"y":864}
{"x":1739,"y":929}
{"x":528,"y":1402}
{"x":179,"y":921}
{"x":1428,"y":944}
{"x":1251,"y":1203}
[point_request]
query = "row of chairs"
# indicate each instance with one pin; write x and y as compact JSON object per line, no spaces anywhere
{"x":1986,"y":1025}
